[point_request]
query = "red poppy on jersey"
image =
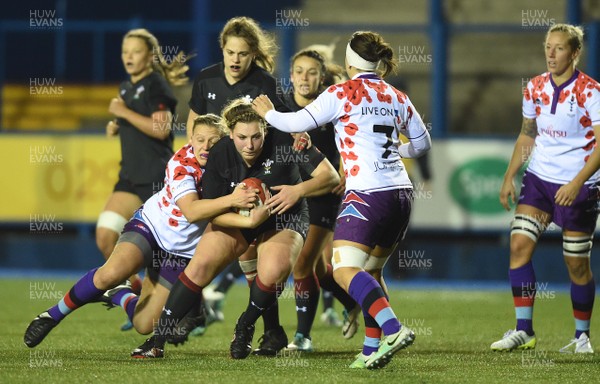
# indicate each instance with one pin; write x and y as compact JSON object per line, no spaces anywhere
{"x":563,"y":95}
{"x":351,"y":129}
{"x":348,"y":141}
{"x":176,"y":212}
{"x":180,"y":155}
{"x":586,"y":122}
{"x":180,"y":173}
{"x":189,"y":162}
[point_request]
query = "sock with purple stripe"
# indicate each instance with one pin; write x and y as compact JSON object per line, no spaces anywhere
{"x":367,"y":292}
{"x":372,"y":335}
{"x":582,"y":298}
{"x":523,"y":285}
{"x":84,"y":291}
{"x":126,"y":299}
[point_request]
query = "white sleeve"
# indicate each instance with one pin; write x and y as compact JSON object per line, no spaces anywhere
{"x":528,"y":104}
{"x":414,"y":149}
{"x":417,"y":134}
{"x":323,"y":109}
{"x":592,"y":105}
{"x":291,"y":122}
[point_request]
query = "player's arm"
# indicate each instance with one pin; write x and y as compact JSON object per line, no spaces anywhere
{"x":521,"y":152}
{"x":341,"y":187}
{"x":196,"y":209}
{"x":158,"y":125}
{"x":234,"y":220}
{"x":216,"y":184}
{"x":322,"y":110}
{"x":323,"y":179}
{"x":567,"y":193}
{"x":419,"y":140}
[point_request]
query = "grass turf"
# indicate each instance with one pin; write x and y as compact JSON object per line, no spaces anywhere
{"x":454,"y":330}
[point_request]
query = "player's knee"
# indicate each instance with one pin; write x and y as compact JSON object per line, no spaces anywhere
{"x":274,"y":274}
{"x":201,"y":271}
{"x":579,"y":268}
{"x":107,"y":277}
{"x":142,"y":326}
{"x":579,"y":271}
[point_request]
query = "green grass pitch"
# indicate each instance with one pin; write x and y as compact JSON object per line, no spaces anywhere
{"x":454,"y":330}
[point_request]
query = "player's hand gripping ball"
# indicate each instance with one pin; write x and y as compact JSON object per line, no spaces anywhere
{"x":263,"y":193}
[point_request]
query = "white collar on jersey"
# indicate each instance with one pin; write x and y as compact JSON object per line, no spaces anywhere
{"x":363,"y":74}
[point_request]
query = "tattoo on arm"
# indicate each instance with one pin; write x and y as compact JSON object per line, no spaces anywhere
{"x":529,"y":128}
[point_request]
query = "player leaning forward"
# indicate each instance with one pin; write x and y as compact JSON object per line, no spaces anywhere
{"x":368,"y":115}
{"x":249,"y":151}
{"x":561,"y":119}
{"x":160,"y":236}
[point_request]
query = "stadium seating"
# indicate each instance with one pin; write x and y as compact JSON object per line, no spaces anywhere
{"x":72,"y":107}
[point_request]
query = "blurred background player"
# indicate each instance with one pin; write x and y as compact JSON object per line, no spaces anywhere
{"x":368,"y":115}
{"x":249,"y":152}
{"x":308,"y":71}
{"x":161,"y":236}
{"x":143,"y":116}
{"x":561,"y":123}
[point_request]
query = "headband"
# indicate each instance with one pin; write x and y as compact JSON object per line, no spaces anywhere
{"x":355,"y":60}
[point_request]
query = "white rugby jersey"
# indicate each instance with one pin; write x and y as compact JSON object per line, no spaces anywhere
{"x":368,"y":115}
{"x":169,"y":226}
{"x":564,"y":116}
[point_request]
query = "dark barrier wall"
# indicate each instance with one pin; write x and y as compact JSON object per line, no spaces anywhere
{"x":426,"y":256}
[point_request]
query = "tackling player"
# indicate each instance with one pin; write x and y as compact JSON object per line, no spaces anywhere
{"x":161,"y":236}
{"x":249,"y":152}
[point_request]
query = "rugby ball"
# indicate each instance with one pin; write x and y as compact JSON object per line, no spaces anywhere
{"x":263,"y":193}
